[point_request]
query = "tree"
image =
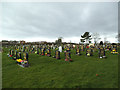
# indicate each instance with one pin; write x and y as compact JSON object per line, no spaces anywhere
{"x":101,"y":42}
{"x":82,"y":40}
{"x":56,"y":41}
{"x":106,"y":42}
{"x":118,"y":37}
{"x":59,"y":41}
{"x":96,"y":37}
{"x":105,"y":39}
{"x":86,"y":36}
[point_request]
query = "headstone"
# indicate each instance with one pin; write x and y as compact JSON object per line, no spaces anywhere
{"x":9,"y":51}
{"x":25,"y":56}
{"x":92,"y":48}
{"x":60,"y":48}
{"x":68,"y":55}
{"x":15,"y":55}
{"x":57,"y":54}
{"x":82,"y":48}
{"x":73,"y":46}
{"x":38,"y":51}
{"x":102,"y":53}
{"x":56,"y":49}
{"x":33,"y":50}
{"x":78,"y":51}
{"x":89,"y":52}
{"x":19,"y":55}
{"x":95,"y":49}
{"x":114,"y":50}
{"x":43,"y":51}
{"x":48,"y":52}
{"x":12,"y":52}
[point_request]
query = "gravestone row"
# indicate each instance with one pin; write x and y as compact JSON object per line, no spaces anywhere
{"x":46,"y":50}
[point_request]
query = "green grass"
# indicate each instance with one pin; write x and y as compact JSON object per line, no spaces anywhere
{"x":48,"y":72}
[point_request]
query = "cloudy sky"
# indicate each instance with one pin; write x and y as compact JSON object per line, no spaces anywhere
{"x":46,"y":21}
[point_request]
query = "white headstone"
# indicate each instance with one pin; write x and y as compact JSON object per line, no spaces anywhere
{"x":60,"y":48}
{"x":74,"y":46}
{"x":33,"y":46}
{"x":54,"y":47}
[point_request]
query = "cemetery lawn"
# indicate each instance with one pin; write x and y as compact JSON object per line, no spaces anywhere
{"x":48,"y":72}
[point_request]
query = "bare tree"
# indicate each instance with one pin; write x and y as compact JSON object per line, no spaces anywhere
{"x":118,"y":37}
{"x":96,"y":37}
{"x":60,"y":40}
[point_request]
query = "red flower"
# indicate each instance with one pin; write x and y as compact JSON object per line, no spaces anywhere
{"x":87,"y":47}
{"x":10,"y":55}
{"x":96,"y":74}
{"x":66,"y":60}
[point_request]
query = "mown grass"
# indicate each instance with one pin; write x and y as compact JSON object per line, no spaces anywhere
{"x":48,"y":72}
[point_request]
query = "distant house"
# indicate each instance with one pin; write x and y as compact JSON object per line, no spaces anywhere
{"x":22,"y":42}
{"x":13,"y":42}
{"x":43,"y":42}
{"x":5,"y":42}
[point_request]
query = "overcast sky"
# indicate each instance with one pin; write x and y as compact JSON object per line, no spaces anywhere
{"x":46,"y":21}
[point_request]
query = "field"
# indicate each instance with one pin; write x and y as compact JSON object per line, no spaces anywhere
{"x":48,"y":72}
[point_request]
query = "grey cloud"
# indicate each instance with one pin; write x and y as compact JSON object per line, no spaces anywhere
{"x":51,"y":20}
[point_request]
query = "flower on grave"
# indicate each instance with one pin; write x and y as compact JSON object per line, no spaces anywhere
{"x":88,"y":54}
{"x":87,"y":47}
{"x":45,"y":53}
{"x":66,"y":60}
{"x":116,"y":52}
{"x":18,"y":60}
{"x":104,"y":56}
{"x":10,"y":55}
{"x":96,"y":74}
{"x":25,"y":61}
{"x":22,"y":61}
{"x":113,"y":50}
